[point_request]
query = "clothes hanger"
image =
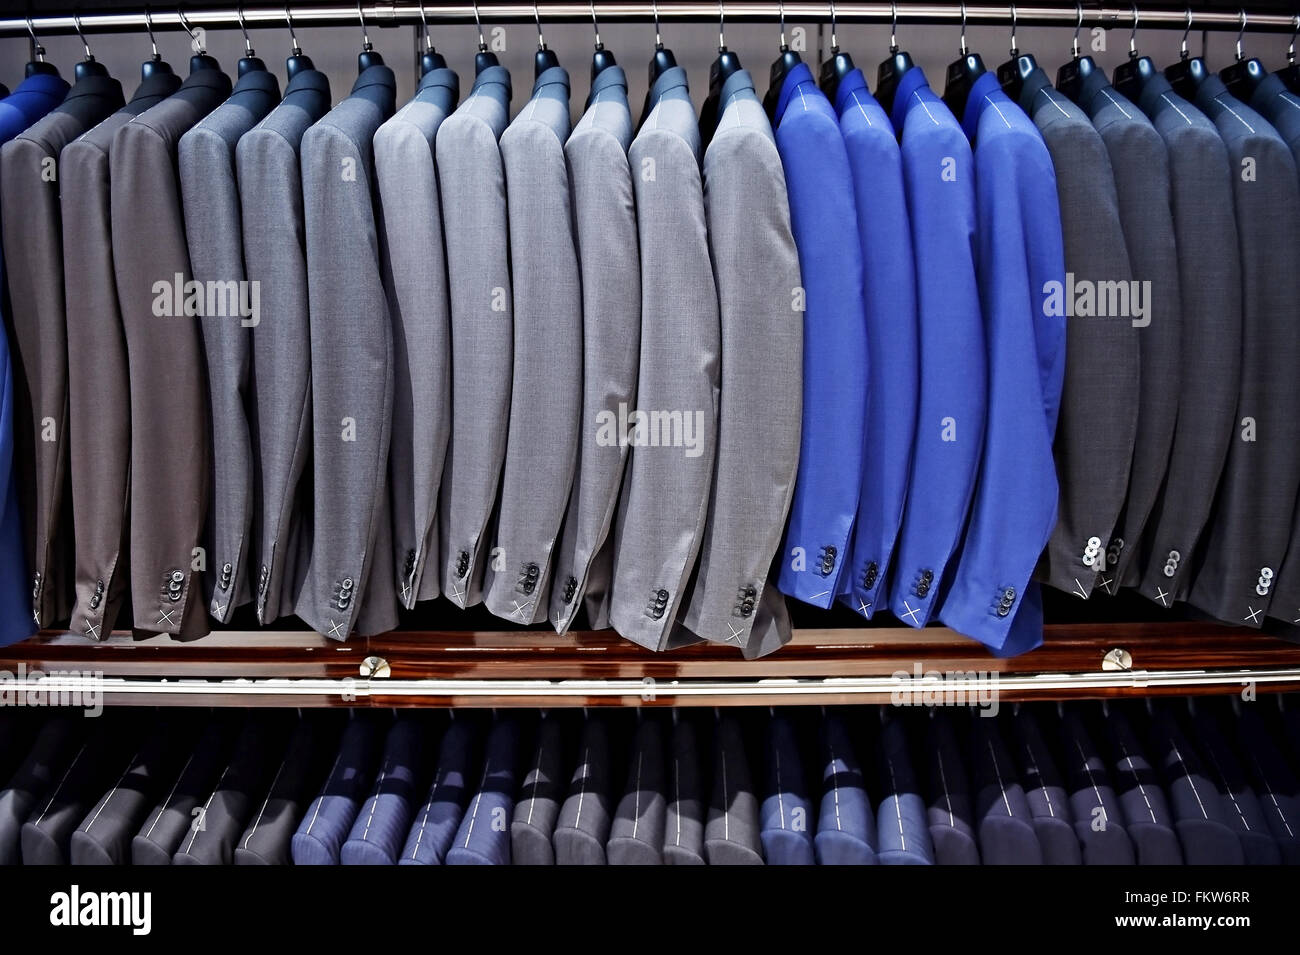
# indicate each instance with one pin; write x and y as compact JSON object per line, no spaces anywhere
{"x":543,"y":59}
{"x":1132,"y":76}
{"x":899,"y":62}
{"x":1243,"y":77}
{"x":367,"y":57}
{"x":250,"y":60}
{"x":723,"y":66}
{"x":1290,"y":74}
{"x":601,"y":59}
{"x":1070,"y":77}
{"x":37,"y":64}
{"x":155,"y":64}
{"x":297,"y":61}
{"x":1189,"y":72}
{"x":89,"y":66}
{"x":781,"y":68}
{"x":838,"y":66}
{"x":962,"y":74}
{"x":200,"y":60}
{"x":430,"y":59}
{"x":484,"y":57}
{"x":1013,"y":73}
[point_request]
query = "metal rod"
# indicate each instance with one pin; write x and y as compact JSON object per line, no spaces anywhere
{"x":344,"y":13}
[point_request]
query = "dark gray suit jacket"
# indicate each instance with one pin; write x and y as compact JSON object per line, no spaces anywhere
{"x":210,"y":196}
{"x":170,"y":445}
{"x":1099,"y":403}
{"x":349,"y":582}
{"x":275,"y":256}
{"x":1209,"y":270}
{"x":1139,"y":160}
{"x":99,"y":399}
{"x":33,"y":255}
{"x":1251,"y":523}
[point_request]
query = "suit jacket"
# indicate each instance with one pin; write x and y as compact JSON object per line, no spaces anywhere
{"x":275,"y":256}
{"x":1247,"y":539}
{"x":99,"y":400}
{"x":1099,"y":406}
{"x":825,"y":230}
{"x":939,"y":178}
{"x":349,"y":582}
{"x":545,"y":403}
{"x":33,"y":252}
{"x":210,"y":196}
{"x":169,"y":432}
{"x":893,"y":386}
{"x":666,"y":493}
{"x":604,"y":215}
{"x":1019,"y":257}
{"x":1139,"y":160}
{"x":756,"y":267}
{"x":471,"y":176}
{"x":415,"y":276}
{"x":1209,"y":274}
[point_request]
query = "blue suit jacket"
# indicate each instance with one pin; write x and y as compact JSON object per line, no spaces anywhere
{"x":33,"y":98}
{"x":939,"y":176}
{"x":825,"y":229}
{"x":889,"y":296}
{"x":1019,"y":254}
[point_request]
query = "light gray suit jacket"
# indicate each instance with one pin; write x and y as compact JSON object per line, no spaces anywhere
{"x":1140,"y":163}
{"x":33,"y":255}
{"x":1209,"y":272}
{"x":415,"y":275}
{"x":210,"y":196}
{"x":1099,"y":400}
{"x":546,"y":389}
{"x":666,"y":494}
{"x":756,"y":267}
{"x":604,"y":213}
{"x":275,"y":256}
{"x":170,"y":445}
{"x":473,"y":190}
{"x":349,"y":581}
{"x":99,"y":398}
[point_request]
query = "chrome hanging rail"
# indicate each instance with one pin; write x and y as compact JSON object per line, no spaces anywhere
{"x":410,"y":13}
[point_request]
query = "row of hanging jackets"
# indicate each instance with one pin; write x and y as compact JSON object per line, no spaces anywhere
{"x":334,"y":362}
{"x":1182,"y":781}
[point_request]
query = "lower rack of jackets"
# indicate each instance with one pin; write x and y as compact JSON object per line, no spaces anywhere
{"x":1178,"y":781}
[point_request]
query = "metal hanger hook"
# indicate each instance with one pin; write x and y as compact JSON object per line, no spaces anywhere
{"x":722,"y":15}
{"x":1078,"y":25}
{"x":962,"y":47}
{"x":248,"y":44}
{"x":1290,"y":50}
{"x":1133,"y":36}
{"x":293,"y":39}
{"x":365,"y":35}
{"x":1241,"y":32}
{"x":428,"y":41}
{"x":76,"y":22}
{"x":1015,"y":51}
{"x":180,"y":14}
{"x":148,"y":26}
{"x":482,"y":44}
{"x":835,"y":43}
{"x":38,"y":51}
{"x":893,"y":25}
{"x":780,"y":6}
{"x":654,"y":7}
{"x":596,"y":26}
{"x":537,"y":18}
{"x":1182,"y":47}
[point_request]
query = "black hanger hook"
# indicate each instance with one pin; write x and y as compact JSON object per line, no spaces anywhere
{"x":248,"y":44}
{"x":76,"y":22}
{"x":293,"y":38}
{"x":180,"y":14}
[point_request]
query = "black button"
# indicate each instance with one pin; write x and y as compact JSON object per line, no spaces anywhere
{"x":346,"y":583}
{"x":751,"y":592}
{"x":529,"y":586}
{"x":747,"y":608}
{"x":662,"y":595}
{"x":462,"y":564}
{"x":177,"y":576}
{"x":570,"y":588}
{"x":94,"y":602}
{"x":1003,"y":610}
{"x":99,"y":586}
{"x":927,"y":576}
{"x":922,"y":588}
{"x":869,"y":576}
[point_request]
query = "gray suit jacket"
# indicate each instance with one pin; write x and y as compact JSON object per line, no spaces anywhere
{"x":169,"y":433}
{"x":1247,"y":538}
{"x":1140,"y":163}
{"x":756,"y":267}
{"x":275,"y":256}
{"x":1099,"y":402}
{"x":349,"y":581}
{"x":604,"y":214}
{"x":473,"y":189}
{"x":546,"y":390}
{"x":666,"y":494}
{"x":33,"y":255}
{"x":1209,"y":271}
{"x":210,"y":197}
{"x":415,"y":275}
{"x":99,"y":398}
